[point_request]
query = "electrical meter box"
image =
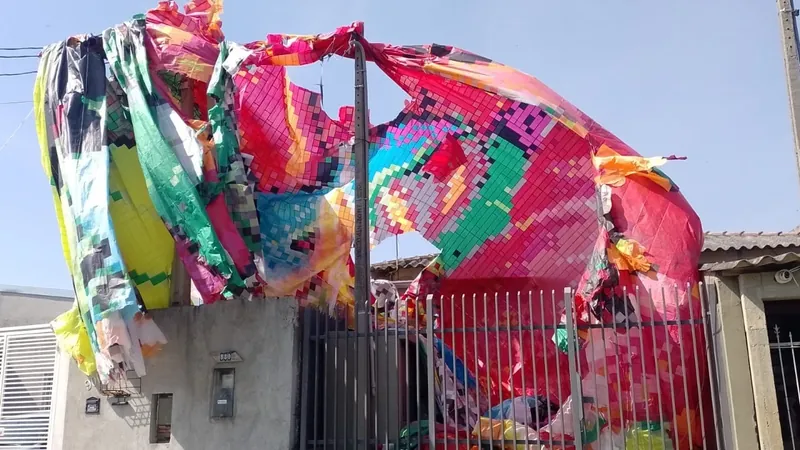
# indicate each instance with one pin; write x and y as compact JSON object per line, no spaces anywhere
{"x":222,"y":396}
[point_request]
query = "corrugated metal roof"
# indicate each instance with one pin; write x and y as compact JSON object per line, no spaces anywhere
{"x":412,"y":262}
{"x":744,"y":263}
{"x":770,"y":248}
{"x":747,"y":241}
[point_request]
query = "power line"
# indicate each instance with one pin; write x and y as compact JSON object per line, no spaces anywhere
{"x":18,"y":102}
{"x":14,"y":49}
{"x":18,"y":56}
{"x":14,"y":133}
{"x":16,"y":74}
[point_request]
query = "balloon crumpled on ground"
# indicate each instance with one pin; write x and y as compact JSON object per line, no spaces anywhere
{"x":195,"y":147}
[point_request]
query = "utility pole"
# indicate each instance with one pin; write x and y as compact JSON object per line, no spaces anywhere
{"x":361,"y":232}
{"x":791,"y":62}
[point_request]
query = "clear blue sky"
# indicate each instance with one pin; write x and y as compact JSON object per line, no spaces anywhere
{"x":703,"y":79}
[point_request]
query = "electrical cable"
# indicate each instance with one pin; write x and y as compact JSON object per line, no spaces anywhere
{"x":16,"y":74}
{"x":15,"y":49}
{"x":14,"y":133}
{"x":18,"y":56}
{"x":18,"y":102}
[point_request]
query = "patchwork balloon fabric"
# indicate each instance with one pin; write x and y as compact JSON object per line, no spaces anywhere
{"x":202,"y":148}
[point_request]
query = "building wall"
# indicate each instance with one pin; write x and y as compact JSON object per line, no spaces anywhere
{"x":28,"y":306}
{"x":744,"y":360}
{"x":262,"y":332}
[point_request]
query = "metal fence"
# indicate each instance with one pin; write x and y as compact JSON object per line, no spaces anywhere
{"x":787,"y":386}
{"x":524,"y":370}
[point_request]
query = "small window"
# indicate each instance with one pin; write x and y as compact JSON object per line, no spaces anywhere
{"x":222,"y":394}
{"x":161,"y":419}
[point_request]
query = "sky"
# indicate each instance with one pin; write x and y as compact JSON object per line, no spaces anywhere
{"x":703,"y":80}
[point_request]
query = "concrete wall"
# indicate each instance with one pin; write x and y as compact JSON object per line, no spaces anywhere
{"x":733,"y":365}
{"x":263,"y":332}
{"x":27,"y":306}
{"x":747,"y":380}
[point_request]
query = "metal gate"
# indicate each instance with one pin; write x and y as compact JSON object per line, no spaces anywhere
{"x":509,"y":369}
{"x":28,"y":359}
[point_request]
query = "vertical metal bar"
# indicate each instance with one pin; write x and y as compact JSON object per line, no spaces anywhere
{"x":698,"y":380}
{"x":655,"y":365}
{"x":305,"y":374}
{"x":317,"y":371}
{"x":443,"y":355}
{"x":511,"y":365}
{"x":546,"y":368}
{"x":464,"y":367}
{"x":783,"y":379}
{"x":487,"y":363}
{"x":607,"y":384}
{"x":522,"y":364}
{"x":574,"y":372}
{"x":416,"y":367}
{"x":399,"y":391}
{"x":336,"y":383}
{"x":711,"y":359}
{"x":351,"y":380}
{"x":671,"y":373}
{"x":407,"y":404}
{"x":593,"y":368}
{"x":431,"y":382}
{"x":325,"y":388}
{"x":477,"y":358}
{"x":499,"y":368}
{"x":794,"y":368}
{"x":619,"y":372}
{"x":683,"y":365}
{"x":631,"y":391}
{"x":557,"y":326}
{"x":388,"y":387}
{"x":362,"y":284}
{"x":453,"y":352}
{"x":644,"y":367}
{"x":374,"y":378}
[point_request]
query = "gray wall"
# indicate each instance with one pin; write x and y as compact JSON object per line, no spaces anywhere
{"x":263,"y":332}
{"x":28,"y":306}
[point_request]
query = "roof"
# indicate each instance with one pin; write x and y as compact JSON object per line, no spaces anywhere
{"x":749,"y":241}
{"x":721,"y":251}
{"x":412,"y":262}
{"x":37,"y":292}
{"x":740,"y":250}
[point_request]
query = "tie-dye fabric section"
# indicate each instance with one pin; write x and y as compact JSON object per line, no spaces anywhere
{"x":170,"y":186}
{"x":184,"y":80}
{"x":78,"y":157}
{"x":71,"y":333}
{"x":237,"y":189}
{"x":147,"y":248}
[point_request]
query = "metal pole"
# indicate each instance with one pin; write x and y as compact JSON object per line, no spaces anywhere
{"x":575,"y":376}
{"x":361,"y":232}
{"x":791,"y":61}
